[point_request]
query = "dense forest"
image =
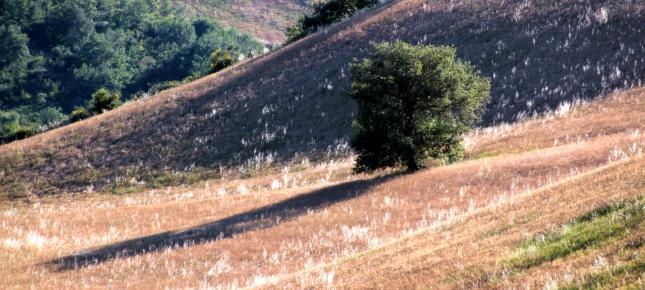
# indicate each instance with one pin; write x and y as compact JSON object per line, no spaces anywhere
{"x":56,"y":54}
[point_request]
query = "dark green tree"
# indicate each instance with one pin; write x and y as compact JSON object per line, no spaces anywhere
{"x":14,"y":61}
{"x":415,"y":102}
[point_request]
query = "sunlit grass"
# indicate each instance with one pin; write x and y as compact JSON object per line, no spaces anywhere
{"x":629,"y":275}
{"x":597,"y":228}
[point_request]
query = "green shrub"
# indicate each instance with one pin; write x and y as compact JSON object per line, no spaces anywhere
{"x":79,"y":113}
{"x":415,"y":102}
{"x":19,"y":134}
{"x":15,"y":125}
{"x":221,"y":59}
{"x":104,"y":100}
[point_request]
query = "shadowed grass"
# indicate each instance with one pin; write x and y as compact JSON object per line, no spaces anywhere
{"x":253,"y":220}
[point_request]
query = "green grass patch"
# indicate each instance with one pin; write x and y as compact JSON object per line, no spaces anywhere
{"x":628,"y":275}
{"x":597,"y":228}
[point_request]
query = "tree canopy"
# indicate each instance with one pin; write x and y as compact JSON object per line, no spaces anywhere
{"x":54,"y":54}
{"x":415,"y":102}
{"x":325,"y":13}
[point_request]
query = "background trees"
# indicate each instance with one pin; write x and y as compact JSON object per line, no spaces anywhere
{"x":54,"y":54}
{"x":325,"y":13}
{"x":415,"y":102}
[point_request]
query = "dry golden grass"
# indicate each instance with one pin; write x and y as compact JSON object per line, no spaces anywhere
{"x":468,"y":251}
{"x":321,"y":226}
{"x":616,"y":113}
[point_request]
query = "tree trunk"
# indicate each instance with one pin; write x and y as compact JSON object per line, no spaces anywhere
{"x":412,"y":164}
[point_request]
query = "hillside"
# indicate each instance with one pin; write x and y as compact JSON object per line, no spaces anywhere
{"x":243,"y":179}
{"x":266,"y":20}
{"x":290,"y":104}
{"x":318,"y":226}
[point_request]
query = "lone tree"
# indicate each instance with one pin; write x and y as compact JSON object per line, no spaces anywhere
{"x":415,"y":102}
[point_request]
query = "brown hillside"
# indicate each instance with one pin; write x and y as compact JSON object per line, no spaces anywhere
{"x":265,"y":19}
{"x":445,"y":227}
{"x":468,"y":251}
{"x":290,"y":103}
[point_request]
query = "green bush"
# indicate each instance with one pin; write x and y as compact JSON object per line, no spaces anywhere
{"x":79,"y":113}
{"x":415,"y":102}
{"x":19,"y":134}
{"x":23,"y":122}
{"x":326,"y":13}
{"x":221,"y":59}
{"x":104,"y":100}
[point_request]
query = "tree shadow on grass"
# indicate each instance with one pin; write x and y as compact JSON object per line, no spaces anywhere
{"x":253,"y":220}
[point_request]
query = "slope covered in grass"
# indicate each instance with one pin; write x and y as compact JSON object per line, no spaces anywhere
{"x":290,"y":103}
{"x":266,"y":20}
{"x":321,"y":226}
{"x":474,"y":250}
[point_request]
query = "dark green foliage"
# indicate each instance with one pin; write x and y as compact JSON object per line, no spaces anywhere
{"x":325,"y":13}
{"x":20,"y":133}
{"x":415,"y":102}
{"x":55,"y":53}
{"x":104,"y":100}
{"x":23,"y":122}
{"x":221,"y":59}
{"x":79,"y":113}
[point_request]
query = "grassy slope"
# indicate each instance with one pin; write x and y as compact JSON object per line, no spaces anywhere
{"x":290,"y":103}
{"x":482,"y":247}
{"x":473,"y":250}
{"x":457,"y":222}
{"x":266,"y":20}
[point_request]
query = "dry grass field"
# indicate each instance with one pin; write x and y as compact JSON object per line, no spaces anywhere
{"x":243,"y":178}
{"x":317,"y":225}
